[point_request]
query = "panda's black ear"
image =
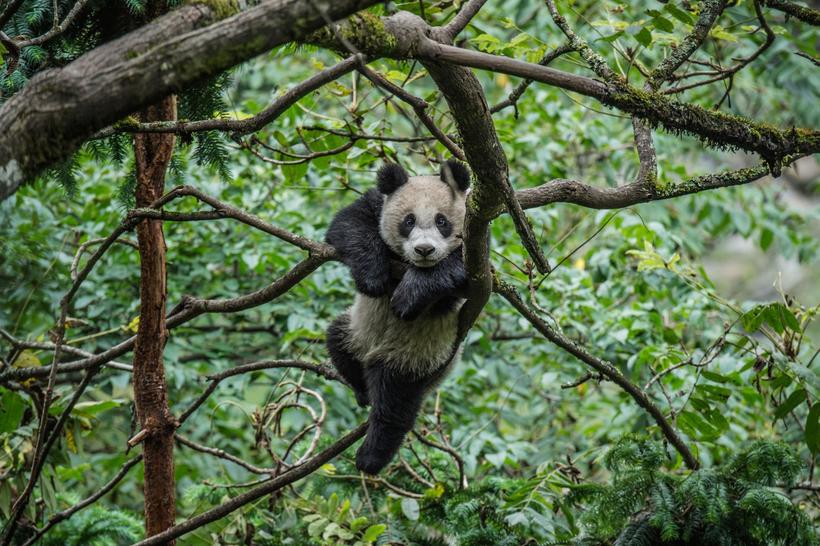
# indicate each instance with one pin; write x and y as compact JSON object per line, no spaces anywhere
{"x":456,"y":172}
{"x":391,"y":177}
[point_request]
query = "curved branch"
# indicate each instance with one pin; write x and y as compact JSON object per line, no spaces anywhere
{"x":460,"y":21}
{"x":563,"y":190}
{"x":601,"y":366}
{"x":241,"y":126}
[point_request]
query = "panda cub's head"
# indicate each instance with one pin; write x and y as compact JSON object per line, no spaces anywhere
{"x":423,"y":216}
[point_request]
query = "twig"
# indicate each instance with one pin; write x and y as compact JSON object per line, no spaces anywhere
{"x":732,"y":70}
{"x":381,"y":481}
{"x":418,"y":105}
{"x":75,"y":263}
{"x":462,"y":19}
{"x":583,"y":379}
{"x":222,"y":454}
{"x":241,"y":126}
{"x":459,"y":462}
{"x":320,"y":369}
{"x":710,"y":11}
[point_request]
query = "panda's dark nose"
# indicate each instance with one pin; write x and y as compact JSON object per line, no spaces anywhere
{"x":424,"y":250}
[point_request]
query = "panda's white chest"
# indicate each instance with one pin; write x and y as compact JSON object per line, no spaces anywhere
{"x":420,"y":345}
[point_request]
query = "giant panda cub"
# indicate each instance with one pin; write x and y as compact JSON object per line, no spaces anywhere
{"x":397,"y":341}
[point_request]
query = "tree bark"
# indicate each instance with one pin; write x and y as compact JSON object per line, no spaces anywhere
{"x":152,"y":153}
{"x":60,"y":108}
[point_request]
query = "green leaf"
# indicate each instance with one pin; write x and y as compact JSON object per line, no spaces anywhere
{"x":663,"y":24}
{"x":813,"y":429}
{"x":90,"y":409}
{"x":716,"y":377}
{"x":679,"y":14}
{"x":12,"y":407}
{"x":644,"y":37}
{"x":753,"y":318}
{"x":766,"y":238}
{"x":373,"y":532}
{"x":410,"y":508}
{"x":795,"y":399}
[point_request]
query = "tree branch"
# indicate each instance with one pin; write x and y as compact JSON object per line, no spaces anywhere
{"x":516,"y":94}
{"x":572,"y":191}
{"x":710,"y":11}
{"x":97,"y":495}
{"x":601,"y":366}
{"x":241,"y":126}
{"x":68,"y":105}
{"x":807,"y":15}
{"x":57,"y":29}
{"x":460,"y":21}
{"x":286,"y":478}
{"x":418,"y":105}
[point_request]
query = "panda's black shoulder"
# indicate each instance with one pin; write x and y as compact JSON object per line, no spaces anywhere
{"x":362,"y":214}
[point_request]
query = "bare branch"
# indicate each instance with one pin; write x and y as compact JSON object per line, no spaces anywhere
{"x":319,"y":369}
{"x":723,"y":73}
{"x":222,"y":454}
{"x":75,"y":263}
{"x":460,"y":21}
{"x":224,"y":210}
{"x":572,"y":191}
{"x":68,"y":349}
{"x":601,"y":366}
{"x":241,"y":126}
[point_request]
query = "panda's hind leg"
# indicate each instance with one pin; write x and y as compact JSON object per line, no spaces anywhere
{"x":396,"y":399}
{"x":349,"y":367}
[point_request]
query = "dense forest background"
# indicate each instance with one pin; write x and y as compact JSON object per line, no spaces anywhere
{"x":704,"y":303}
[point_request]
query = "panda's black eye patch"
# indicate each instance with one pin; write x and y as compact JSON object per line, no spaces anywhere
{"x":407,"y":225}
{"x":444,"y":226}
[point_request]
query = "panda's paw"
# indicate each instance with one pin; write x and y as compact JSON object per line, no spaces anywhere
{"x":369,"y":462}
{"x":374,"y":284}
{"x":403,"y":305}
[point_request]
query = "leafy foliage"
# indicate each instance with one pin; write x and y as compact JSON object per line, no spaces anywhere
{"x":707,"y":302}
{"x":738,"y":503}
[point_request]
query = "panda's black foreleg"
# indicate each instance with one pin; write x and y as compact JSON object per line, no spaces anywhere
{"x":348,"y":365}
{"x":422,"y":287}
{"x":396,"y":399}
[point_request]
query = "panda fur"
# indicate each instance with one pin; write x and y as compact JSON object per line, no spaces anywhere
{"x":397,"y":340}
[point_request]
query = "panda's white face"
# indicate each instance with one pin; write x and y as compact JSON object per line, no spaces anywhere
{"x":423,"y":219}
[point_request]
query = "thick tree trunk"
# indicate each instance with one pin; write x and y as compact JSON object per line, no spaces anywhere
{"x":152,"y":153}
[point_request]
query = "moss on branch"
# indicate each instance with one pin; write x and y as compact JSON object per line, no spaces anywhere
{"x":715,"y":129}
{"x":363,"y":31}
{"x":221,"y":9}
